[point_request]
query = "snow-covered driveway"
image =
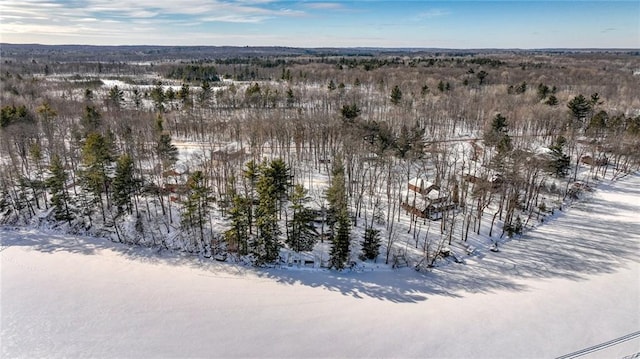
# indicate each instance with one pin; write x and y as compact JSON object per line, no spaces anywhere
{"x":565,"y":286}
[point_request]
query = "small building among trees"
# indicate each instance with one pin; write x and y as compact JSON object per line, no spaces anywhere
{"x":425,"y":199}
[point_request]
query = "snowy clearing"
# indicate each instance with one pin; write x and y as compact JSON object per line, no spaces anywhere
{"x":567,"y":285}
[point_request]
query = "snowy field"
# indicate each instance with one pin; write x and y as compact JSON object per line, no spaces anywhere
{"x":567,"y":285}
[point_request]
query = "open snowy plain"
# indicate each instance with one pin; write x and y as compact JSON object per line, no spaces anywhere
{"x":567,"y":285}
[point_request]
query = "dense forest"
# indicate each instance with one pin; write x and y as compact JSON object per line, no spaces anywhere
{"x":324,"y":159}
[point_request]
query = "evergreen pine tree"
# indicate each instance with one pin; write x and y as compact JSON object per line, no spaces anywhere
{"x":88,"y":95}
{"x":158,"y":97}
{"x":168,"y":155}
{"x":251,"y":176}
{"x":196,"y":208}
{"x":481,"y":76}
{"x":552,"y":100}
{"x":339,"y":255}
{"x":165,"y":150}
{"x":37,"y":184}
{"x":184,"y":94}
{"x":560,"y":162}
{"x":350,"y":112}
{"x":124,"y":184}
{"x":57,"y":187}
{"x":267,"y":242}
{"x":338,"y":216}
{"x":280,"y":173}
{"x":521,"y":88}
{"x":302,"y":234}
{"x":91,"y":119}
{"x":115,"y":97}
{"x":371,"y":244}
{"x":513,"y":228}
{"x":96,"y":157}
{"x":205,"y":93}
{"x":290,"y":97}
{"x":543,"y":91}
{"x":237,"y":237}
{"x":396,"y":95}
{"x":497,"y":135}
{"x":580,"y":108}
{"x":170,"y":95}
{"x":336,"y":193}
{"x":424,"y":90}
{"x":331,"y":86}
{"x":271,"y":186}
{"x":137,"y":98}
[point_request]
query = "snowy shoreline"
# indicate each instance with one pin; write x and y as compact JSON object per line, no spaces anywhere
{"x":560,"y":288}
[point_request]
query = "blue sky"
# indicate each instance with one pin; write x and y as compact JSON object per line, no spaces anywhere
{"x":363,"y":23}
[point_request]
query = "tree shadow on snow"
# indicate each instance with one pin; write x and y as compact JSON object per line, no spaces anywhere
{"x":51,"y":242}
{"x":399,"y":286}
{"x":594,"y":237}
{"x":57,"y":242}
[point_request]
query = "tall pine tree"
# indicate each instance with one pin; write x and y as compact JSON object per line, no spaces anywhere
{"x":267,"y":244}
{"x":96,"y":157}
{"x":560,"y":162}
{"x":168,"y":155}
{"x":280,"y":173}
{"x":340,"y":251}
{"x":196,"y":209}
{"x":57,"y":187}
{"x":396,"y":95}
{"x":338,"y":217}
{"x":251,"y":177}
{"x":371,"y":244}
{"x":302,"y":234}
{"x":237,"y":237}
{"x":124,"y":184}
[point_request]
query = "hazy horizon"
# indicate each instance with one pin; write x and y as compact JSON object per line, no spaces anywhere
{"x":313,"y":24}
{"x":391,"y":48}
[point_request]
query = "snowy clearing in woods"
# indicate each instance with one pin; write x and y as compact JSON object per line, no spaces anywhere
{"x":565,"y":286}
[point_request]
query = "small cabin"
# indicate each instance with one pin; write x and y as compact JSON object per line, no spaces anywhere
{"x":299,"y":259}
{"x":425,"y":200}
{"x":495,"y":181}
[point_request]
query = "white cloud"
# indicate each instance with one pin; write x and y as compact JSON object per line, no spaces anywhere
{"x":433,"y":13}
{"x":117,"y":22}
{"x":73,"y":14}
{"x":235,"y":19}
{"x":325,"y":6}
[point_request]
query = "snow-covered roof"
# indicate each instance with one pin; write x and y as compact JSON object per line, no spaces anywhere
{"x":421,"y":201}
{"x":420,"y":183}
{"x":415,"y":199}
{"x":434,"y":194}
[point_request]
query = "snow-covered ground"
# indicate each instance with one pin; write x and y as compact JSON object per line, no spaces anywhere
{"x":564,"y":286}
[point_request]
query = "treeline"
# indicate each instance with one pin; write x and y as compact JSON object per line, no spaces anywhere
{"x":105,"y":177}
{"x":321,"y":153}
{"x":193,"y":73}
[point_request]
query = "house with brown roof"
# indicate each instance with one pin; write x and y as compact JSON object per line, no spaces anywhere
{"x":425,"y":199}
